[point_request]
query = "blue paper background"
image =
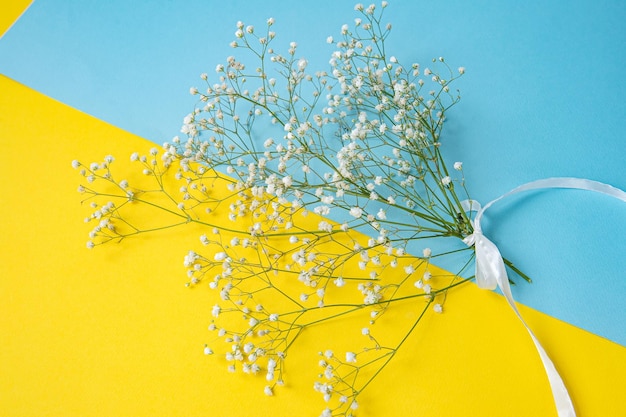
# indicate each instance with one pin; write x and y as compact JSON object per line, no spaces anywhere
{"x":543,"y":96}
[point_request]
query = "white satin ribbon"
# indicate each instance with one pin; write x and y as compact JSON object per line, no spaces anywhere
{"x":491,"y":272}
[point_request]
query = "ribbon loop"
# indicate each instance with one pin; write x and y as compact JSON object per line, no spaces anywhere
{"x":491,"y":271}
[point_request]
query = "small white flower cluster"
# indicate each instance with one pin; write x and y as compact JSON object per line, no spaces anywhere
{"x":112,"y":225}
{"x":334,"y":385}
{"x":104,"y":215}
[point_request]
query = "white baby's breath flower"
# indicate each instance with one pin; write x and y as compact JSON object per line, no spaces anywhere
{"x":356,"y":212}
{"x":220,"y":256}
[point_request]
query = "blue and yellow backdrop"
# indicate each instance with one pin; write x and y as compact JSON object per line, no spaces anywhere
{"x":115,"y":332}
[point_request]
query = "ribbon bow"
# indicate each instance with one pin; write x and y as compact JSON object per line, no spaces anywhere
{"x":491,"y":272}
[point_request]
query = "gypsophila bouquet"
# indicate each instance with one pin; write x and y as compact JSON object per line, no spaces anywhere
{"x":330,"y":179}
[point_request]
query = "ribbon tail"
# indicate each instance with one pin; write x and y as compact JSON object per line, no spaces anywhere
{"x":562,"y":400}
{"x":491,"y":272}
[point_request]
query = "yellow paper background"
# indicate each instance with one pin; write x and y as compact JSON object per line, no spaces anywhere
{"x":114,"y":331}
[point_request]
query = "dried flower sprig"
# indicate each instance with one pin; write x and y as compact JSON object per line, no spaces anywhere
{"x":329,"y":180}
